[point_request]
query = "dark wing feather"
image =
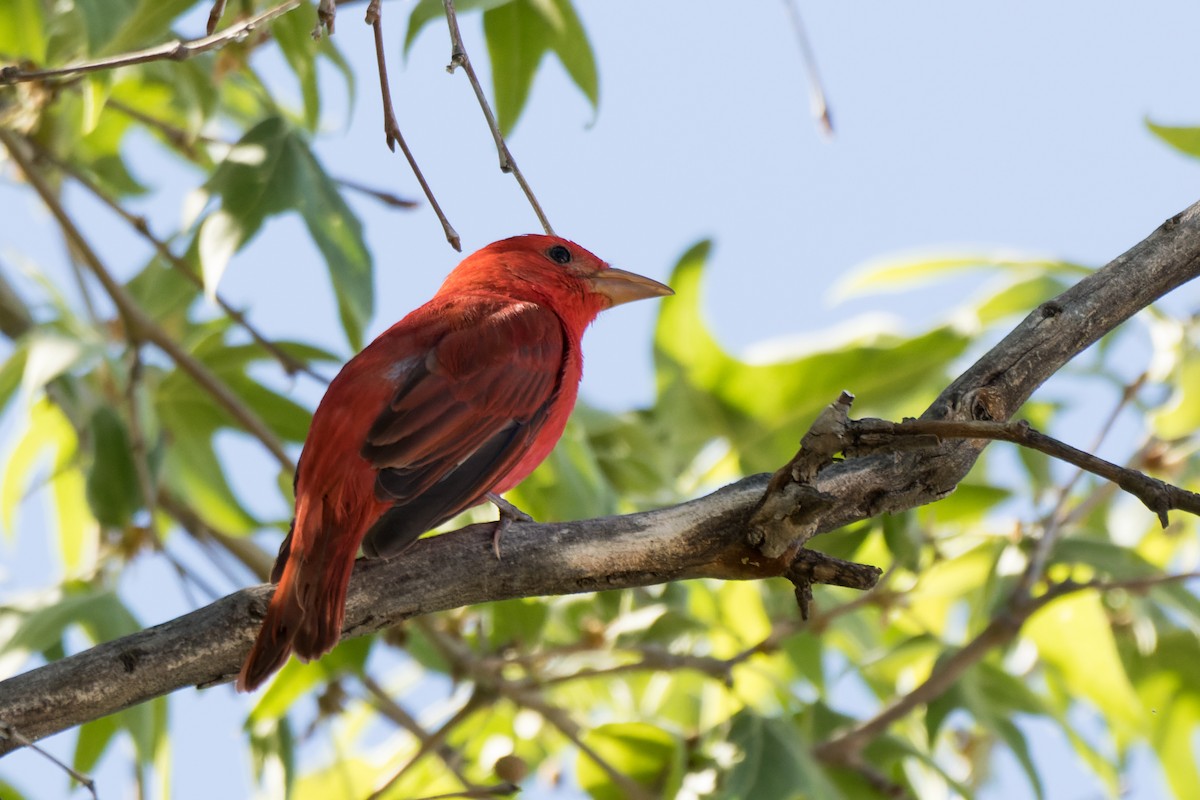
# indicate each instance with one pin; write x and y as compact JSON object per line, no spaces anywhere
{"x":462,"y":418}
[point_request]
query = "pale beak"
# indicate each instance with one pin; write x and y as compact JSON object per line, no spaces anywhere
{"x":620,"y":286}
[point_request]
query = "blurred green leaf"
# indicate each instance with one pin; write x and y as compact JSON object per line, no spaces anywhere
{"x":774,"y":763}
{"x":1073,"y":635}
{"x":644,"y":753}
{"x":900,"y":273}
{"x":1166,"y":686}
{"x":296,"y":679}
{"x":1180,"y":415}
{"x":519,"y":34}
{"x":516,"y":622}
{"x":94,"y":738}
{"x":23,"y":34}
{"x":272,"y":170}
{"x":147,"y":23}
{"x":293,"y":32}
{"x":112,"y":481}
{"x":427,"y":11}
{"x":705,"y":393}
{"x":99,"y":612}
{"x":1184,"y":139}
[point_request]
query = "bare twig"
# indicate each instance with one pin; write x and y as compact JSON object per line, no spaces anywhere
{"x":214,"y":16}
{"x":459,"y":58}
{"x":385,"y":705}
{"x":391,"y":127}
{"x":326,"y":14}
{"x":525,"y":696}
{"x":387,"y":198}
{"x":846,"y":748}
{"x":11,"y":734}
{"x":174,"y":51}
{"x":138,"y":323}
{"x":480,"y":792}
{"x":433,"y":741}
{"x":816,"y":91}
{"x":1159,"y":496}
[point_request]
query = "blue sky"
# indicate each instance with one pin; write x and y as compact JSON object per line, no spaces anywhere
{"x":959,"y":127}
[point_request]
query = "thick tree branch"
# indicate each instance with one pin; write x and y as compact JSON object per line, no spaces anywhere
{"x":703,"y":538}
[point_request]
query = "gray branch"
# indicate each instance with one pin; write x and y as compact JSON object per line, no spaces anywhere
{"x":708,"y":537}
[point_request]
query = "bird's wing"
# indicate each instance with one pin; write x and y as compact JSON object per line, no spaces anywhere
{"x":462,"y":417}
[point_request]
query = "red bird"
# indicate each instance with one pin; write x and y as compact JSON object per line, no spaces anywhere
{"x":459,"y":400}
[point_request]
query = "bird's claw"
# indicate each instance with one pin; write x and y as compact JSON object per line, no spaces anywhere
{"x":508,"y":515}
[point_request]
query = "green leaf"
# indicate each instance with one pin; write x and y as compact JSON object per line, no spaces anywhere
{"x":101,"y":20}
{"x":644,"y":753}
{"x":774,"y":763}
{"x":517,"y":39}
{"x":1180,"y":415}
{"x":94,"y":738}
{"x":901,"y":273}
{"x":1074,"y":636}
{"x":1184,"y":139}
{"x":113,"y":490}
{"x":98,"y":612}
{"x":573,"y":49}
{"x":191,"y":468}
{"x":517,"y":622}
{"x":147,"y":24}
{"x":48,"y":355}
{"x":272,"y":170}
{"x":293,"y":32}
{"x":11,"y":373}
{"x":518,"y":35}
{"x":760,"y":408}
{"x":297,"y":679}
{"x":49,"y":430}
{"x":23,"y":34}
{"x":426,"y":11}
{"x":9,"y":792}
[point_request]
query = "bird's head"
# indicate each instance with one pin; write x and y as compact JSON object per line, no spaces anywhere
{"x":554,"y":272}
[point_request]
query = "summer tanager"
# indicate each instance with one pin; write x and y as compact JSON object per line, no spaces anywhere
{"x":456,"y":402}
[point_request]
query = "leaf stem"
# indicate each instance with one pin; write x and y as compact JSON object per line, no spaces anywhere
{"x":391,"y":127}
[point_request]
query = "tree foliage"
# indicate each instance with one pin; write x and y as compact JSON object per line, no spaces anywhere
{"x":697,"y":688}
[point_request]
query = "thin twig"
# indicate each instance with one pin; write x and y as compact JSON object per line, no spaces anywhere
{"x":137,"y":440}
{"x":816,"y":91}
{"x":847,"y":747}
{"x":482,"y":792}
{"x":214,"y":16}
{"x":139,"y":324}
{"x":173,"y":51}
{"x":248,"y":554}
{"x":459,"y":58}
{"x":391,"y":127}
{"x":435,"y":739}
{"x":385,"y":705}
{"x":1055,"y":523}
{"x":1158,"y":496}
{"x":387,"y":198}
{"x":13,"y":735}
{"x":524,"y":696}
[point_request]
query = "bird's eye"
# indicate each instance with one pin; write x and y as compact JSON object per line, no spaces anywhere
{"x":559,"y":254}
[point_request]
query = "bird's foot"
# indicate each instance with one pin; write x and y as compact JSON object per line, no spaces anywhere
{"x":508,"y":515}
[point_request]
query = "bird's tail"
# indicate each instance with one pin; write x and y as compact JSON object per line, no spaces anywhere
{"x":305,"y":613}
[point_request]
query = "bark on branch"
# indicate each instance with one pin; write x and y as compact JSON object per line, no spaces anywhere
{"x":708,"y":537}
